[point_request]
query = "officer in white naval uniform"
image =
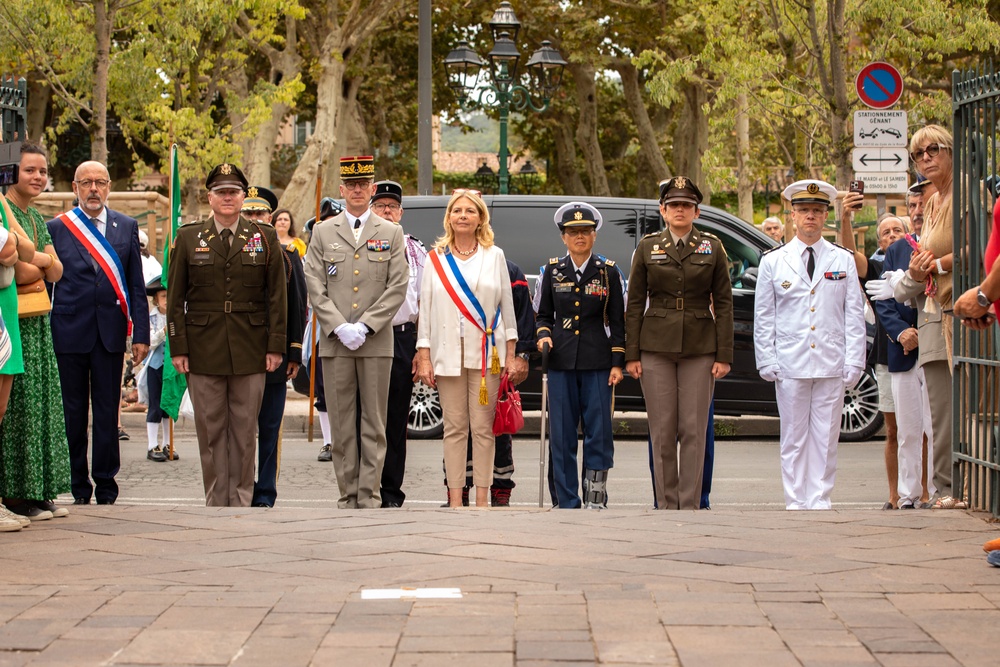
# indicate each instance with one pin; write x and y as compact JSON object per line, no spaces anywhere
{"x":809,"y":338}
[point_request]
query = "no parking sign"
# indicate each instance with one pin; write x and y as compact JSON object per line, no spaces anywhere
{"x":879,"y":85}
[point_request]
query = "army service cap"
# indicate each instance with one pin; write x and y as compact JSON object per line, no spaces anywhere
{"x":679,"y":188}
{"x":224,"y":176}
{"x":388,"y":190}
{"x":259,"y":198}
{"x":577,"y":214}
{"x":357,"y":167}
{"x":810,"y":191}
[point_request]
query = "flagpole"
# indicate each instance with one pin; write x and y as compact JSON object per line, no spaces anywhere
{"x":312,"y":343}
{"x":170,"y":241}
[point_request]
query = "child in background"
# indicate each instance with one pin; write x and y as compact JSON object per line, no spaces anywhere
{"x":155,"y":417}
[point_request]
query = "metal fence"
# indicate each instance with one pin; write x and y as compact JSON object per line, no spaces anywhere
{"x":976,"y":422}
{"x":13,"y":108}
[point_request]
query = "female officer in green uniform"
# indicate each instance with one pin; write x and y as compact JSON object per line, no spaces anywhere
{"x":679,"y":339}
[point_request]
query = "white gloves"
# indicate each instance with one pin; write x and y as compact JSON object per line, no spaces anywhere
{"x":770,"y":373}
{"x":352,"y":335}
{"x":851,"y":375}
{"x":882,"y":290}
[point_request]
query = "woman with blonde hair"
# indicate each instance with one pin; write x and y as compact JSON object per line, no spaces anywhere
{"x":466,"y":331}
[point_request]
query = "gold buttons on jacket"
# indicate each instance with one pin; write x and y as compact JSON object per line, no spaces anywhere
{"x":812,"y":310}
{"x":355,"y":289}
{"x":354,"y":305}
{"x":577,"y":303}
{"x":357,"y":256}
{"x":813,"y":345}
{"x":576,"y":317}
{"x":812,"y":291}
{"x":356,"y":272}
{"x":813,"y":327}
{"x":577,"y":289}
{"x":577,"y":332}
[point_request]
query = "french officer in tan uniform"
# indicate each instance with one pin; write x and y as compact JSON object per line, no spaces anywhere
{"x":226,"y":316}
{"x":356,"y":272}
{"x":679,"y":339}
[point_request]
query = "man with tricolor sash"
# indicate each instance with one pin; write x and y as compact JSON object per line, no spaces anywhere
{"x":98,"y":304}
{"x":357,"y":274}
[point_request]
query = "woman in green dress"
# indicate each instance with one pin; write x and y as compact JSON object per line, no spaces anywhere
{"x":34,"y":455}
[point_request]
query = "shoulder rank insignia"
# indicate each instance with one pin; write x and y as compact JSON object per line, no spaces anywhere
{"x":609,"y":262}
{"x":771,"y":249}
{"x":834,"y":243}
{"x":553,"y":260}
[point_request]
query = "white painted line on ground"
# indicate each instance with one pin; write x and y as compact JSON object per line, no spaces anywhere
{"x":411,"y":593}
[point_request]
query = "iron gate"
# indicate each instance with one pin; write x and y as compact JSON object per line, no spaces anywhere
{"x":976,"y":426}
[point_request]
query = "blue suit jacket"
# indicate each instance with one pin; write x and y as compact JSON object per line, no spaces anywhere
{"x":85,"y":308}
{"x":895,"y":316}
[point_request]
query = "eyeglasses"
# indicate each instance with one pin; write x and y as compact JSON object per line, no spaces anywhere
{"x":355,"y":185}
{"x":466,"y":191}
{"x":87,"y":183}
{"x":932,"y":150}
{"x":386,"y":207}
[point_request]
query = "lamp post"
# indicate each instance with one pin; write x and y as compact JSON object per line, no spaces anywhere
{"x":545,"y":68}
{"x":485,"y":178}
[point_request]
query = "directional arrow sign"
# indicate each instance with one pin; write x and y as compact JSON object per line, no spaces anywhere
{"x":877,"y":183}
{"x":881,"y":159}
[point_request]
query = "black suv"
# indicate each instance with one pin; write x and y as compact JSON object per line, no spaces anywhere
{"x":524,"y":229}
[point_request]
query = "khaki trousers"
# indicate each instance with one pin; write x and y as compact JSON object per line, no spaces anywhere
{"x":462,"y":411}
{"x":939,"y":394}
{"x":678,"y":392}
{"x":225,"y":419}
{"x":358,"y":469}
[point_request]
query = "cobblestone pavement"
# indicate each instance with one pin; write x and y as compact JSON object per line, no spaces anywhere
{"x":159,"y":579}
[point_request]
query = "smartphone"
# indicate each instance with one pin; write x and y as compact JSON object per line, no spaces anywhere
{"x":859,"y":187}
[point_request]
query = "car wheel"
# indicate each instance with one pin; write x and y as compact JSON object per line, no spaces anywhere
{"x":426,"y":419}
{"x":861,"y":418}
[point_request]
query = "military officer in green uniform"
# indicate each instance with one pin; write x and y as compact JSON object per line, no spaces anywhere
{"x":679,"y":339}
{"x":226,"y":315}
{"x":356,"y":272}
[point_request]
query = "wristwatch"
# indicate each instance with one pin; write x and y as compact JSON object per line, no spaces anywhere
{"x":981,"y":298}
{"x":524,"y":355}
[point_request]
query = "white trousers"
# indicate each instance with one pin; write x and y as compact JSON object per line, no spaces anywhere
{"x":810,"y":413}
{"x":913,"y":420}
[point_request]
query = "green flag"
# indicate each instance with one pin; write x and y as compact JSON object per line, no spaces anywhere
{"x":174,"y":383}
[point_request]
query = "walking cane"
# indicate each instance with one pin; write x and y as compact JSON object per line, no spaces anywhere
{"x":541,"y":443}
{"x":312,"y":343}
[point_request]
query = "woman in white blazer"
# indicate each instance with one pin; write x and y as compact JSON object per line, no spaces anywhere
{"x":466,"y":330}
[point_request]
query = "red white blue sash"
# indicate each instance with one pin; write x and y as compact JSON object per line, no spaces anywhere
{"x":468,"y":305}
{"x":79,"y":225}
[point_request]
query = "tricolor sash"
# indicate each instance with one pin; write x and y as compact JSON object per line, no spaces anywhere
{"x":80,"y":226}
{"x":468,"y":305}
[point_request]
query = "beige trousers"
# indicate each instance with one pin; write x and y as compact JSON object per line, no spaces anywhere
{"x":462,"y":411}
{"x":225,"y":419}
{"x":678,"y":392}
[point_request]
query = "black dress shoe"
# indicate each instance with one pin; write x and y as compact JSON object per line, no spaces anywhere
{"x":391,"y":503}
{"x":81,"y":501}
{"x":105,"y":502}
{"x":122,"y":434}
{"x":262,"y":505}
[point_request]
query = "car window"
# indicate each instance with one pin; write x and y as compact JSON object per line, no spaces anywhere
{"x":742,"y":255}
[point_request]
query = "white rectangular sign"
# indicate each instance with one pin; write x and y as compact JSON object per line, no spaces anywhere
{"x":880,"y":128}
{"x":883,"y":183}
{"x":881,"y":159}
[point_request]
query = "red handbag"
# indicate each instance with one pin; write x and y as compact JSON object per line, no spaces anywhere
{"x":508,"y":418}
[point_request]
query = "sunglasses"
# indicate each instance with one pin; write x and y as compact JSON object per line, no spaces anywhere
{"x":932,"y":150}
{"x":466,"y":191}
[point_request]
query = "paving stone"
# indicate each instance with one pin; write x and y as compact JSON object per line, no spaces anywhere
{"x":242,"y":619}
{"x":199,"y":647}
{"x":360,"y":639}
{"x":443,"y":659}
{"x":458,"y":643}
{"x":32,"y":634}
{"x":15,"y":658}
{"x":916,"y":660}
{"x":229,"y":599}
{"x":637,"y":652}
{"x":270,"y":651}
{"x":77,"y":652}
{"x":931,"y":601}
{"x":553,"y":635}
{"x":353,"y":656}
{"x":909,"y":639}
{"x":554,"y":650}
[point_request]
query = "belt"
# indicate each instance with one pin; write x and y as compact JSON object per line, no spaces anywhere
{"x":224,"y":307}
{"x":679,"y":303}
{"x":405,"y":327}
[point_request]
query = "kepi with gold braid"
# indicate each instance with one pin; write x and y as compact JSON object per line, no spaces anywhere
{"x":357,"y":167}
{"x":259,"y":198}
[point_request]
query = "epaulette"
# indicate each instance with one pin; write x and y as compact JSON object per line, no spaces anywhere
{"x":708,"y":234}
{"x":771,"y":249}
{"x":609,"y":262}
{"x":553,"y":260}
{"x":652,"y":234}
{"x":834,"y":243}
{"x":188,"y":224}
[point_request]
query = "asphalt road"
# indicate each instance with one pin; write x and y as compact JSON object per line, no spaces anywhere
{"x":746,"y":474}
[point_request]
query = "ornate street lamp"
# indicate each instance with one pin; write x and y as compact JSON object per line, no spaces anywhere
{"x":486,"y":178}
{"x":545,"y":68}
{"x":528,"y":178}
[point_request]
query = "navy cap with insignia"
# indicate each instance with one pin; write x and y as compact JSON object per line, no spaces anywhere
{"x":679,"y":188}
{"x":259,"y":198}
{"x":810,"y":191}
{"x":388,"y":190}
{"x":226,"y":175}
{"x":357,"y":167}
{"x":919,"y":185}
{"x":577,"y":214}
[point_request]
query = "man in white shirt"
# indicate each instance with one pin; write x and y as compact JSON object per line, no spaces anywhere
{"x":387,"y":202}
{"x":809,"y":338}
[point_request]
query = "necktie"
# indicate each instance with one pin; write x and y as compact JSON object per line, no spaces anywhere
{"x":226,"y":235}
{"x":579,"y":275}
{"x":97,"y":225}
{"x":357,"y":223}
{"x":810,"y":263}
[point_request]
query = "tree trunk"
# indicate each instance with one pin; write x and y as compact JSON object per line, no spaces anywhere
{"x":299,"y":196}
{"x":745,"y":180}
{"x":566,"y":171}
{"x":586,"y":129}
{"x":840,"y":108}
{"x":104,"y":16}
{"x":192,"y":198}
{"x":691,"y":139}
{"x":648,"y":144}
{"x":39,"y":97}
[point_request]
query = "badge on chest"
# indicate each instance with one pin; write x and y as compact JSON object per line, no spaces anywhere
{"x":378,"y":245}
{"x":595,"y":288}
{"x":835,"y":275}
{"x":704,"y":248}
